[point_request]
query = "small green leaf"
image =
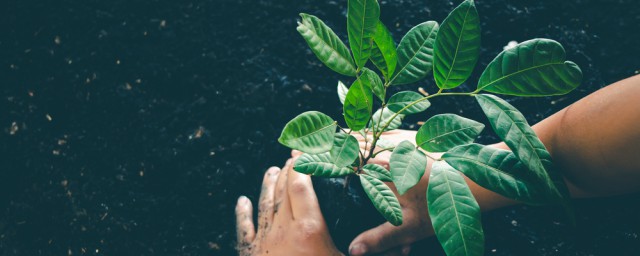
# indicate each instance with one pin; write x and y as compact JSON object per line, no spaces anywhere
{"x":378,"y":172}
{"x":386,"y":144}
{"x":310,"y":132}
{"x":407,"y":166}
{"x":342,"y":91}
{"x":403,"y":99}
{"x":443,"y":132}
{"x":345,"y":150}
{"x":454,"y":212}
{"x":511,"y":126}
{"x":378,"y":121}
{"x":326,"y":45}
{"x":362,"y":20}
{"x":382,"y":198}
{"x":415,"y":54}
{"x":358,"y":104}
{"x":536,"y":67}
{"x":457,"y":46}
{"x":383,"y":53}
{"x":320,"y":165}
{"x":375,"y":83}
{"x":497,"y":170}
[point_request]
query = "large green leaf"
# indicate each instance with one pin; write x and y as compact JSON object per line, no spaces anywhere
{"x":378,"y":172}
{"x":342,"y":91}
{"x":345,"y":150}
{"x":443,"y":132}
{"x":382,"y":198}
{"x":383,"y":53}
{"x":320,"y":165}
{"x":536,"y":67}
{"x":403,"y":99}
{"x":362,"y":20}
{"x":378,"y":121}
{"x":407,"y":166}
{"x":310,"y":132}
{"x":358,"y":104}
{"x":375,"y":83}
{"x":497,"y":170}
{"x":415,"y":53}
{"x":454,"y":212}
{"x":326,"y":45}
{"x":513,"y":129}
{"x":457,"y":46}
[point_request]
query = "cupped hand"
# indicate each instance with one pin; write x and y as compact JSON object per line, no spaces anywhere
{"x":289,"y":218}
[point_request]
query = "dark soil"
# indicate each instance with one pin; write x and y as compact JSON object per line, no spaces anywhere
{"x":131,"y":127}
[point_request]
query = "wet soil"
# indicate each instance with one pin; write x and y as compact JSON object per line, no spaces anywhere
{"x":131,"y":127}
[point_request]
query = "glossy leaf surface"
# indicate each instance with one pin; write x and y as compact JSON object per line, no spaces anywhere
{"x":457,"y":46}
{"x":378,"y":121}
{"x":407,"y":166}
{"x":310,"y":132}
{"x":345,"y":150}
{"x":415,"y":54}
{"x":378,"y":172}
{"x":382,"y":198}
{"x":403,"y":99}
{"x":342,"y":91}
{"x":362,"y":20}
{"x":383,"y":53}
{"x":358,"y":104}
{"x":445,"y":131}
{"x":319,"y":165}
{"x":454,"y":212}
{"x":536,"y":67}
{"x":326,"y":45}
{"x":374,"y":81}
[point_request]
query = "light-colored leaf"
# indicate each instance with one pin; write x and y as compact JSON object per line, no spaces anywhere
{"x":382,"y":198}
{"x":362,"y":19}
{"x":407,"y":166}
{"x":445,"y":131}
{"x":383,"y":53}
{"x":345,"y":150}
{"x":454,"y":212}
{"x":379,"y":121}
{"x":378,"y":172}
{"x":342,"y":91}
{"x":536,"y":67}
{"x":415,"y":54}
{"x":358,"y":104}
{"x":326,"y":45}
{"x":406,"y":99}
{"x":310,"y":132}
{"x":386,"y":144}
{"x":319,"y":165}
{"x":457,"y":46}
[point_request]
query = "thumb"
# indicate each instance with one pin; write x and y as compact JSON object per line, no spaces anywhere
{"x":379,"y":239}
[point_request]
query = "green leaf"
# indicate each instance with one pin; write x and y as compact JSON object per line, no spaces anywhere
{"x":358,"y":104}
{"x":342,"y":91}
{"x":345,"y":150}
{"x":362,"y":20}
{"x":375,"y":83}
{"x":513,"y":129}
{"x":443,"y":132}
{"x":407,"y":166}
{"x":415,"y":53}
{"x":383,"y":53}
{"x":382,"y":198}
{"x":536,"y":67}
{"x":319,"y":165}
{"x":377,"y":172}
{"x":386,"y":144}
{"x":454,"y":212}
{"x":457,"y":46}
{"x":497,"y":170}
{"x":378,"y":122}
{"x":326,"y":45}
{"x":310,"y":132}
{"x":403,"y":99}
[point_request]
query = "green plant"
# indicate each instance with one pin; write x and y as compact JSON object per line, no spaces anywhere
{"x":450,"y":51}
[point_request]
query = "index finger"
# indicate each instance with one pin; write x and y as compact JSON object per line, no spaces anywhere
{"x":302,"y":196}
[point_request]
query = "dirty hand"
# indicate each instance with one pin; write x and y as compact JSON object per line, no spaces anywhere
{"x":289,"y":218}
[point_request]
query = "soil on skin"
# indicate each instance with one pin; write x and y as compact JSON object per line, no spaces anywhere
{"x":131,"y":127}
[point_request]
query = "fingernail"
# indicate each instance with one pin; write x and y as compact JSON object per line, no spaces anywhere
{"x":242,"y":200}
{"x":357,"y":249}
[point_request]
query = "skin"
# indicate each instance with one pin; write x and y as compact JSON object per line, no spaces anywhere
{"x":594,"y":142}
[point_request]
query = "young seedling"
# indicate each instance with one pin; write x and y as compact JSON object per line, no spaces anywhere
{"x":449,"y":51}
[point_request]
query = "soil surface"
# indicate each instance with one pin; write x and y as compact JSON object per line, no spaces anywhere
{"x":131,"y":127}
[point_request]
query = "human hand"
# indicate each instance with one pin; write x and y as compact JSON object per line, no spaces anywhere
{"x":289,"y":218}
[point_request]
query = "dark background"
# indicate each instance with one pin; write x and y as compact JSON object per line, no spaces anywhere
{"x":131,"y":127}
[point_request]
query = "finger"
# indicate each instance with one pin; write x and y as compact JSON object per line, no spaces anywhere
{"x":303,"y":199}
{"x":380,"y":239}
{"x":245,"y":229}
{"x":265,"y":205}
{"x":295,"y":153}
{"x":282,"y":206}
